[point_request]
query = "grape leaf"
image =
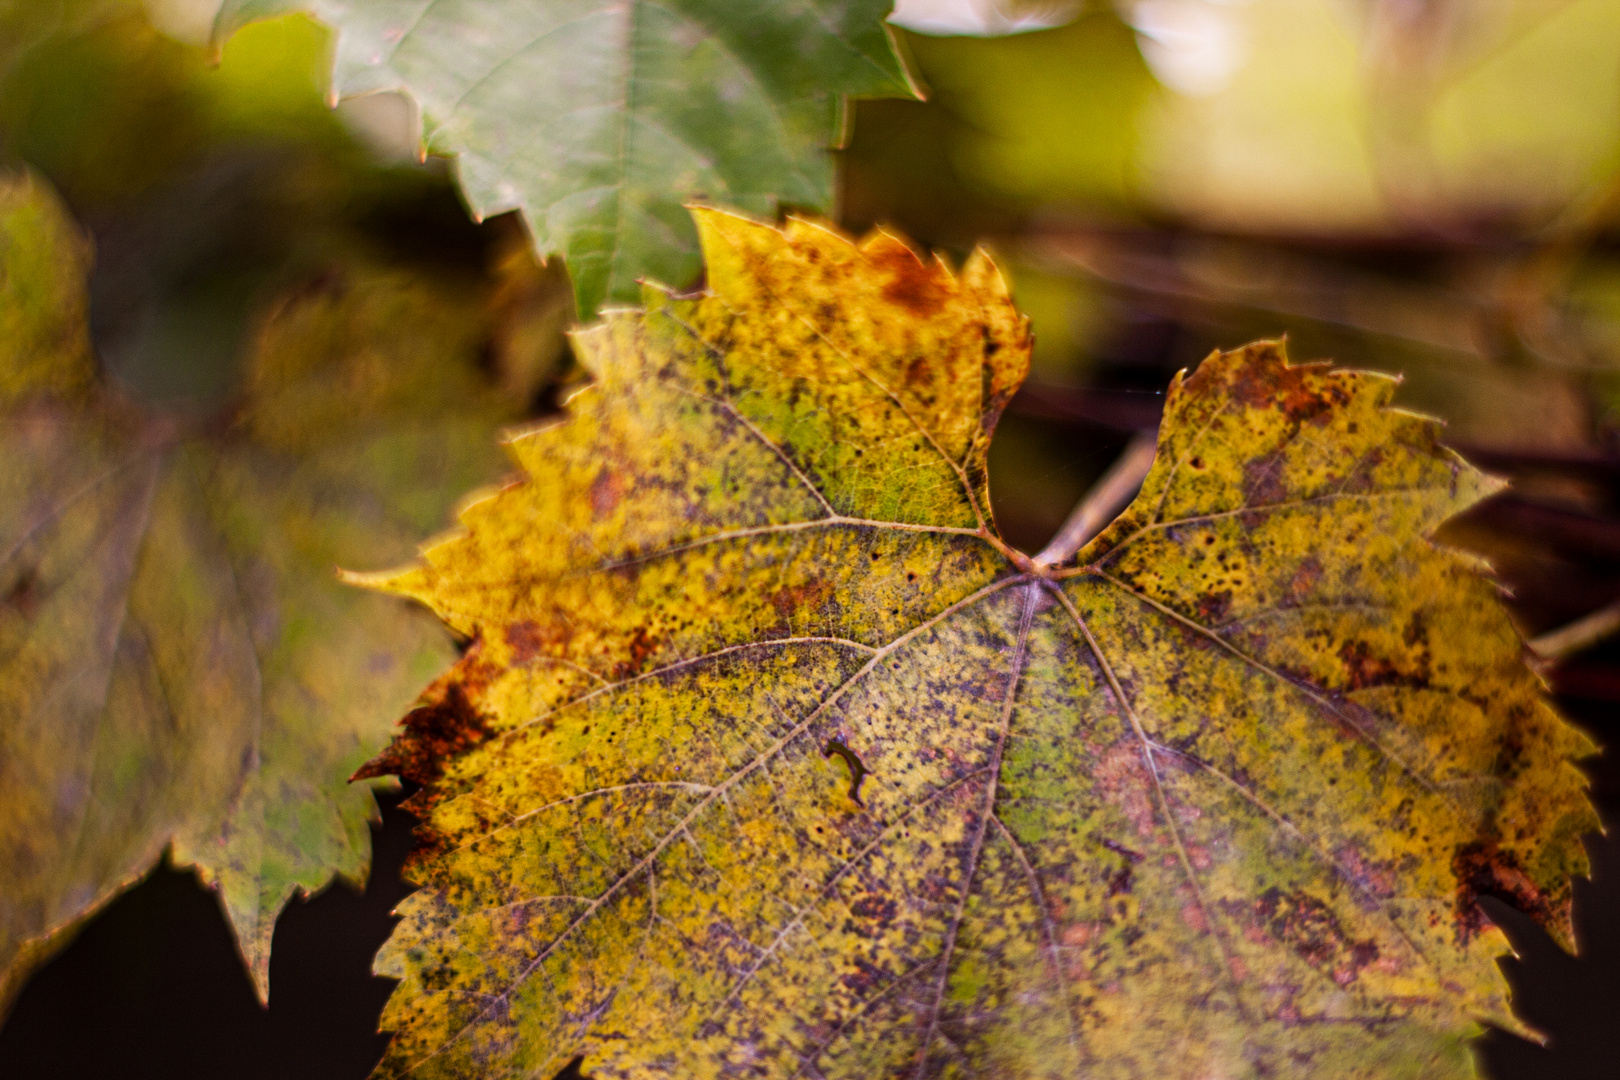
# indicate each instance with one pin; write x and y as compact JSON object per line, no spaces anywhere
{"x":44,"y":328}
{"x":769,"y":758}
{"x":178,"y":665}
{"x":599,"y":119}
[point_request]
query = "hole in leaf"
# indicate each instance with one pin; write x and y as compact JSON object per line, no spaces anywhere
{"x":571,"y":1071}
{"x":857,"y":770}
{"x":1040,"y":467}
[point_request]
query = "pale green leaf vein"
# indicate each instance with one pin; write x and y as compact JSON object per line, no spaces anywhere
{"x":1014,"y":677}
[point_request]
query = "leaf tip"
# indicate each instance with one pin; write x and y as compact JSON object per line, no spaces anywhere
{"x":365,"y":579}
{"x":409,"y":581}
{"x":730,"y":243}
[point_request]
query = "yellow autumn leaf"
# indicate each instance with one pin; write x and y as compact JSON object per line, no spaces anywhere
{"x":179,"y":668}
{"x":770,"y":759}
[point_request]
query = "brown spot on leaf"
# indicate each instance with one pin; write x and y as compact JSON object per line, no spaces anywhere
{"x":918,"y":371}
{"x":1416,"y":633}
{"x":875,"y":911}
{"x":1362,"y":668}
{"x":1212,"y":607}
{"x":1302,"y":404}
{"x":1416,"y":637}
{"x":434,"y":733}
{"x":912,"y":284}
{"x":1304,"y":579}
{"x":606,"y":491}
{"x":642,"y":644}
{"x":1262,"y":481}
{"x":1309,"y":927}
{"x":1121,"y":777}
{"x":1260,"y":382}
{"x":529,"y":639}
{"x":866,"y":977}
{"x":1484,"y":869}
{"x":1377,"y":878}
{"x":807,"y":596}
{"x":1300,"y":393}
{"x":1510,"y":755}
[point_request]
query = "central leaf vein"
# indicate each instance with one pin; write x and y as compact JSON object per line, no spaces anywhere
{"x":1161,"y":798}
{"x":1031,"y":592}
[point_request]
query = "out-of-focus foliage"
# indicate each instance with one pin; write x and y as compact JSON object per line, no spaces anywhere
{"x":180,"y":667}
{"x":1341,"y":116}
{"x":1046,"y":117}
{"x":598,"y":120}
{"x":1310,"y":116}
{"x":1011,"y":124}
{"x":204,"y":186}
{"x":44,"y":328}
{"x":274,"y":378}
{"x":108,"y":106}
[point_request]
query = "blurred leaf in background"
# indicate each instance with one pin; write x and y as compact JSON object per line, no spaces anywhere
{"x":299,"y":354}
{"x":180,"y":665}
{"x":1322,"y":116}
{"x":1048,"y":117}
{"x":1013,"y":125}
{"x":598,"y":120}
{"x":1264,"y":128}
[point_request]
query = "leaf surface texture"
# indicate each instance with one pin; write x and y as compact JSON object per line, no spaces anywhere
{"x":770,"y":759}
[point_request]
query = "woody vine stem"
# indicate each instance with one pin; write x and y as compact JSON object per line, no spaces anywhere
{"x":1103,"y":502}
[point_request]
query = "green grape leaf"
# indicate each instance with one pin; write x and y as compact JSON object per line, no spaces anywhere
{"x":599,"y":120}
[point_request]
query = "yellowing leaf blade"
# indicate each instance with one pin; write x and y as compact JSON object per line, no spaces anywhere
{"x":770,"y":758}
{"x":178,"y":667}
